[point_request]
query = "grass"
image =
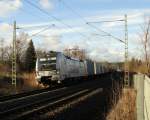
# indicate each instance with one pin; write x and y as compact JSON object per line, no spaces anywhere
{"x":25,"y":82}
{"x":125,"y":109}
{"x":29,"y":82}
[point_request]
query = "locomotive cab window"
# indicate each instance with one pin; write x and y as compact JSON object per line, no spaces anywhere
{"x":48,"y":64}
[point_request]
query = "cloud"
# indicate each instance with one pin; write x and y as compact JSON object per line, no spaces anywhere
{"x":51,"y":43}
{"x":98,"y":48}
{"x":46,"y":4}
{"x":5,"y":28}
{"x":9,"y":6}
{"x":6,"y":32}
{"x":135,"y":17}
{"x":55,"y":31}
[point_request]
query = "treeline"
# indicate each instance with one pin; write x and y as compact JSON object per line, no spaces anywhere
{"x":25,"y":56}
{"x":137,"y":65}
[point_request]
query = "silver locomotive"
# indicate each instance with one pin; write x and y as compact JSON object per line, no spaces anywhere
{"x":57,"y":68}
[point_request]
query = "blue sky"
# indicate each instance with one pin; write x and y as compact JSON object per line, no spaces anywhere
{"x":59,"y":37}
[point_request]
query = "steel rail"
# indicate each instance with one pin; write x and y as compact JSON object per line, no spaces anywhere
{"x":19,"y":95}
{"x":14,"y":109}
{"x":25,"y":110}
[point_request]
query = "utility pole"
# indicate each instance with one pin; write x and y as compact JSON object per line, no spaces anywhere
{"x":14,"y":57}
{"x":126,"y":63}
{"x":125,"y":42}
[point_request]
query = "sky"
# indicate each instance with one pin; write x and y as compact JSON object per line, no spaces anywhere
{"x":66,"y":25}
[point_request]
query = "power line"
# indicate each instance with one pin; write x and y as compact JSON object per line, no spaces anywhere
{"x":51,"y":16}
{"x":43,"y":30}
{"x":106,"y":33}
{"x":70,"y":8}
{"x":34,"y":26}
{"x":73,"y":11}
{"x":99,"y":34}
{"x":32,"y":4}
{"x":119,"y":20}
{"x":30,"y":13}
{"x":43,"y":11}
{"x":67,"y":6}
{"x":27,"y":12}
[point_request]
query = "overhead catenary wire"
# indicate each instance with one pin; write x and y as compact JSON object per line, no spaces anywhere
{"x":43,"y":30}
{"x":30,"y":13}
{"x":73,"y":11}
{"x":106,"y":33}
{"x":67,"y":6}
{"x":27,"y":12}
{"x":33,"y":26}
{"x":119,"y":20}
{"x":88,"y":23}
{"x":81,"y":17}
{"x":52,"y":16}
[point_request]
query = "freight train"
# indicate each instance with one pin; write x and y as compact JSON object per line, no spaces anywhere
{"x":57,"y":68}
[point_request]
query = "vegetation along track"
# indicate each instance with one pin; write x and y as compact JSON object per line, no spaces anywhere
{"x":22,"y":108}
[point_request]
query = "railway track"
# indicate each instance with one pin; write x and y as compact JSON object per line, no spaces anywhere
{"x":29,"y":106}
{"x":19,"y":95}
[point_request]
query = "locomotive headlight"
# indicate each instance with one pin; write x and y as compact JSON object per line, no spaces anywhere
{"x":57,"y":72}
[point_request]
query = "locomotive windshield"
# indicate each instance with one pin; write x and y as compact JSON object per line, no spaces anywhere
{"x":47,"y":64}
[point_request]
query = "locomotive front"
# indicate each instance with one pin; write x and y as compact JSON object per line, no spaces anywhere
{"x":46,"y":72}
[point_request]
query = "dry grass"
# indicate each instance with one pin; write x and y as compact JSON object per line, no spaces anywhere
{"x":29,"y":81}
{"x":125,"y":109}
{"x":25,"y":82}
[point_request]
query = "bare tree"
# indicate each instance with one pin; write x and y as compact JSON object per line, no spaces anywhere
{"x":75,"y":52}
{"x":7,"y":53}
{"x":2,"y":49}
{"x":21,"y":46}
{"x":145,"y":38}
{"x":41,"y":53}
